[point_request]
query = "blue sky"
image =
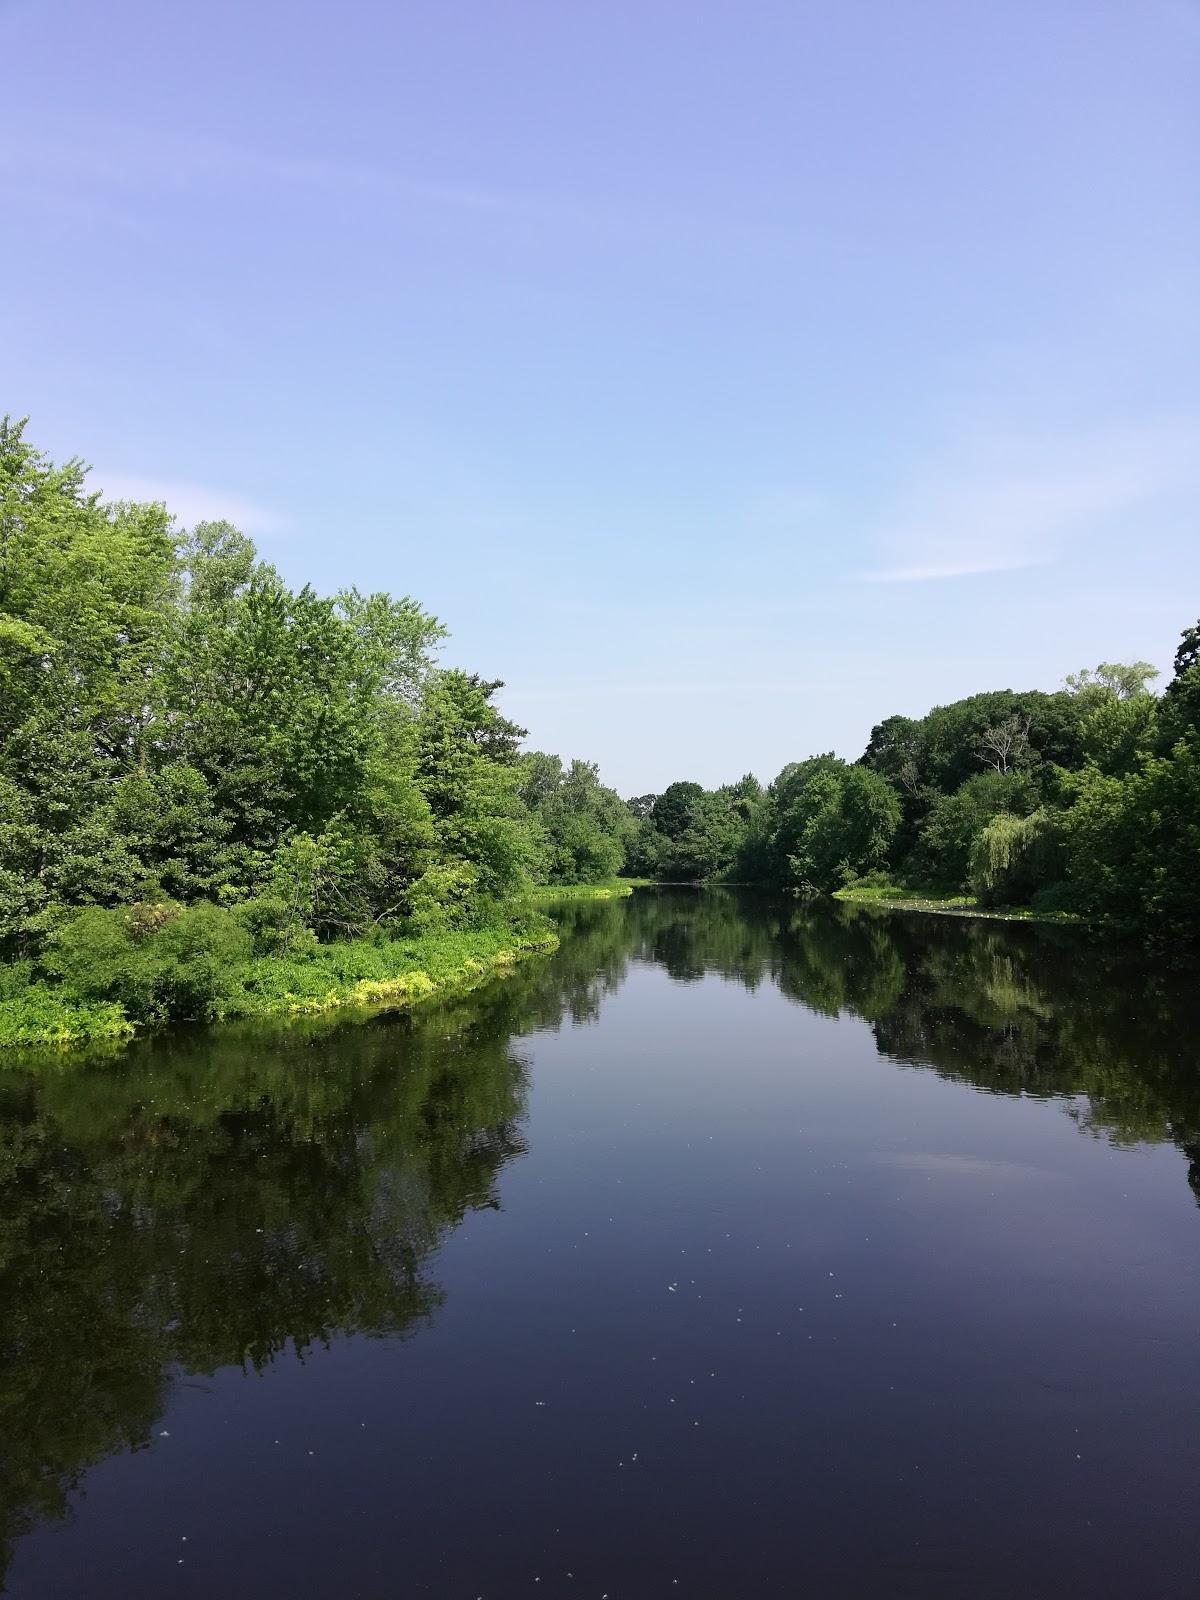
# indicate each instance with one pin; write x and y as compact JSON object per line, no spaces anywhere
{"x":725,"y":376}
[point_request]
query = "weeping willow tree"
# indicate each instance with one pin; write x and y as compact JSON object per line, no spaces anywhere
{"x":1013,"y":857}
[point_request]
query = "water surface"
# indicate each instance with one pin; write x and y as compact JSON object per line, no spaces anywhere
{"x":738,"y":1249}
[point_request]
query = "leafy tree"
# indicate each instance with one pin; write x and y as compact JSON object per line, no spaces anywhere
{"x":831,"y":822}
{"x":1133,"y":843}
{"x":1014,"y":857}
{"x":467,"y":772}
{"x":1121,"y":680}
{"x":675,"y":808}
{"x":955,"y":821}
{"x":584,"y":826}
{"x":1180,"y":712}
{"x":1118,"y":729}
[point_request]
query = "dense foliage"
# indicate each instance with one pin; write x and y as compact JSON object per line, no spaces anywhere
{"x":201,"y":768}
{"x":1086,"y":800}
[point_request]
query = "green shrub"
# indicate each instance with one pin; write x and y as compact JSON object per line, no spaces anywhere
{"x":155,"y":961}
{"x":37,"y":1014}
{"x":274,"y":926}
{"x":15,"y":978}
{"x":443,"y":897}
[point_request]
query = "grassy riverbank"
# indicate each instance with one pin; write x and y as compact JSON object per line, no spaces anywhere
{"x":895,"y":897}
{"x":618,"y":889}
{"x":383,"y":973}
{"x":121,"y":986}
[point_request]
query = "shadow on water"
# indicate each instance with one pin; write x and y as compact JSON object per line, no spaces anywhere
{"x":220,"y":1198}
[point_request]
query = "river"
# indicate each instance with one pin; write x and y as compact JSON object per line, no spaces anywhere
{"x":741,"y":1248}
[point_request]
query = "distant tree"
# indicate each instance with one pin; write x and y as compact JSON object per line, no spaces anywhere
{"x":675,"y":808}
{"x":894,"y":749}
{"x":830,"y":822}
{"x":1123,"y":680}
{"x":955,"y":821}
{"x":1014,"y":857}
{"x":1187,"y":655}
{"x":1180,"y":712}
{"x":1117,"y":731}
{"x":584,"y":827}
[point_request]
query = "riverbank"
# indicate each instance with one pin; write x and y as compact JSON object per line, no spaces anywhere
{"x":548,"y":894}
{"x":893,"y":897}
{"x":365,"y":974}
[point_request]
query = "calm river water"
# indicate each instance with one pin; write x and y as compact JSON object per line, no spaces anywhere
{"x":739,"y":1249}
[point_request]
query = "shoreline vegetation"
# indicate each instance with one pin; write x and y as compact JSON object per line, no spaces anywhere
{"x":1080,"y":805}
{"x":222,"y":796}
{"x":895,"y":897}
{"x":549,"y":894}
{"x":355,"y":975}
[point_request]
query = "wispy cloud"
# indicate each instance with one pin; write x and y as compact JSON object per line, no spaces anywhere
{"x":118,"y":162}
{"x":189,"y":502}
{"x":1006,"y":502}
{"x":125,"y":167}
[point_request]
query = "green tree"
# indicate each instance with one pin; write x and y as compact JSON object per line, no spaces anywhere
{"x":584,"y":827}
{"x":1121,"y":680}
{"x":467,"y":771}
{"x":1014,"y":857}
{"x":831,"y":822}
{"x":955,"y":821}
{"x":675,"y":808}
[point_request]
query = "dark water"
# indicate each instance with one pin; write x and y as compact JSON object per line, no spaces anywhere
{"x":739,"y":1249}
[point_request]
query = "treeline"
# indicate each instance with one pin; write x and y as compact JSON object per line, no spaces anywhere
{"x":1086,"y":800}
{"x":204,"y":769}
{"x":201,"y":765}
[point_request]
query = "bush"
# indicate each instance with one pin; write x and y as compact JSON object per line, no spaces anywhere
{"x":443,"y":897}
{"x":274,"y":926}
{"x":155,"y":961}
{"x":39,"y":1014}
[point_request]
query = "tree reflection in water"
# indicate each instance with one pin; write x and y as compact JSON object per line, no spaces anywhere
{"x":218,"y":1197}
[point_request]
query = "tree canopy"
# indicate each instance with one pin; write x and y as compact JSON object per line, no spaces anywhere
{"x":1084,"y":799}
{"x":180,"y":727}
